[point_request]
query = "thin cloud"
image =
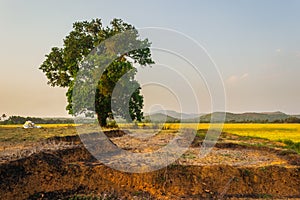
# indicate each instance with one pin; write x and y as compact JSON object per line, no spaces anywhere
{"x":235,"y":78}
{"x":244,"y":76}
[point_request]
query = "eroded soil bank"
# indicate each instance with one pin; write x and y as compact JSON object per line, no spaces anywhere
{"x":65,"y":173}
{"x":61,"y":173}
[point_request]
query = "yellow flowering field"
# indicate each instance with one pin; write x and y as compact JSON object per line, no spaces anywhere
{"x":273,"y":132}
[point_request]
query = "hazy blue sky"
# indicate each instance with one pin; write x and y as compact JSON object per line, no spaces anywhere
{"x":256,"y":45}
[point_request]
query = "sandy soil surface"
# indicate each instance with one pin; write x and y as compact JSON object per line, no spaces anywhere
{"x":60,"y":167}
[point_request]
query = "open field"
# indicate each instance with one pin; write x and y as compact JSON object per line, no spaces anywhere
{"x":43,"y":125}
{"x":288,"y":134}
{"x":274,"y":132}
{"x":16,"y":133}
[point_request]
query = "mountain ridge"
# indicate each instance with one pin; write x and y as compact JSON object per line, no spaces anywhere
{"x":173,"y":116}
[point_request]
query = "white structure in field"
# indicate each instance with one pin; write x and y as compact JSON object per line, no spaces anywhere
{"x":30,"y":124}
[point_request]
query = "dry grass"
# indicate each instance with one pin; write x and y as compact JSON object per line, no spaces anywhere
{"x":43,"y":125}
{"x":16,"y":133}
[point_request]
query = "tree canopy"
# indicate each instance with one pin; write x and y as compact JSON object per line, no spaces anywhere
{"x":62,"y":66}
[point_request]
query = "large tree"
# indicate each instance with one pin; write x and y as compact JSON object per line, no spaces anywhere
{"x":63,"y":64}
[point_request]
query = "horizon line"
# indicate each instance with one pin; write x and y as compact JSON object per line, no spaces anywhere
{"x":158,"y":111}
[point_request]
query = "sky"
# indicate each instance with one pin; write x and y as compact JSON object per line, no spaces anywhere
{"x":254,"y":44}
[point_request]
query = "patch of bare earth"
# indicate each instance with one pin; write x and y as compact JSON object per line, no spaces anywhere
{"x":61,"y":168}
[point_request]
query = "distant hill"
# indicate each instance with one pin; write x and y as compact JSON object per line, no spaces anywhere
{"x":265,"y":117}
{"x":177,"y":115}
{"x":159,"y":117}
{"x":246,"y":117}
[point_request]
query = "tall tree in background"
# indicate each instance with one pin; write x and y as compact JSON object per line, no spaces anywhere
{"x":62,"y":65}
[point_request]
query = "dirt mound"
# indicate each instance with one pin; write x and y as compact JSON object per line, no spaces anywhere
{"x":291,"y":157}
{"x":231,"y":171}
{"x":64,"y":173}
{"x":9,"y":152}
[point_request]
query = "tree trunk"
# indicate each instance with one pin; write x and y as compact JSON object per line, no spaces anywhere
{"x":102,"y":120}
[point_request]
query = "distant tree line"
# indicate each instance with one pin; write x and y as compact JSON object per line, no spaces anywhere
{"x":288,"y":120}
{"x":167,"y":121}
{"x":22,"y":120}
{"x":239,"y":121}
{"x":265,"y":121}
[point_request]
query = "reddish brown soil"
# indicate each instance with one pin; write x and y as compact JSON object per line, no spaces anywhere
{"x":62,"y":173}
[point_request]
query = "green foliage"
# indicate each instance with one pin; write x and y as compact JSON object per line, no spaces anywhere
{"x":292,"y":145}
{"x":289,"y":120}
{"x":3,"y":116}
{"x":275,"y":117}
{"x":201,"y":133}
{"x":62,"y":65}
{"x":288,"y":142}
{"x":111,"y":123}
